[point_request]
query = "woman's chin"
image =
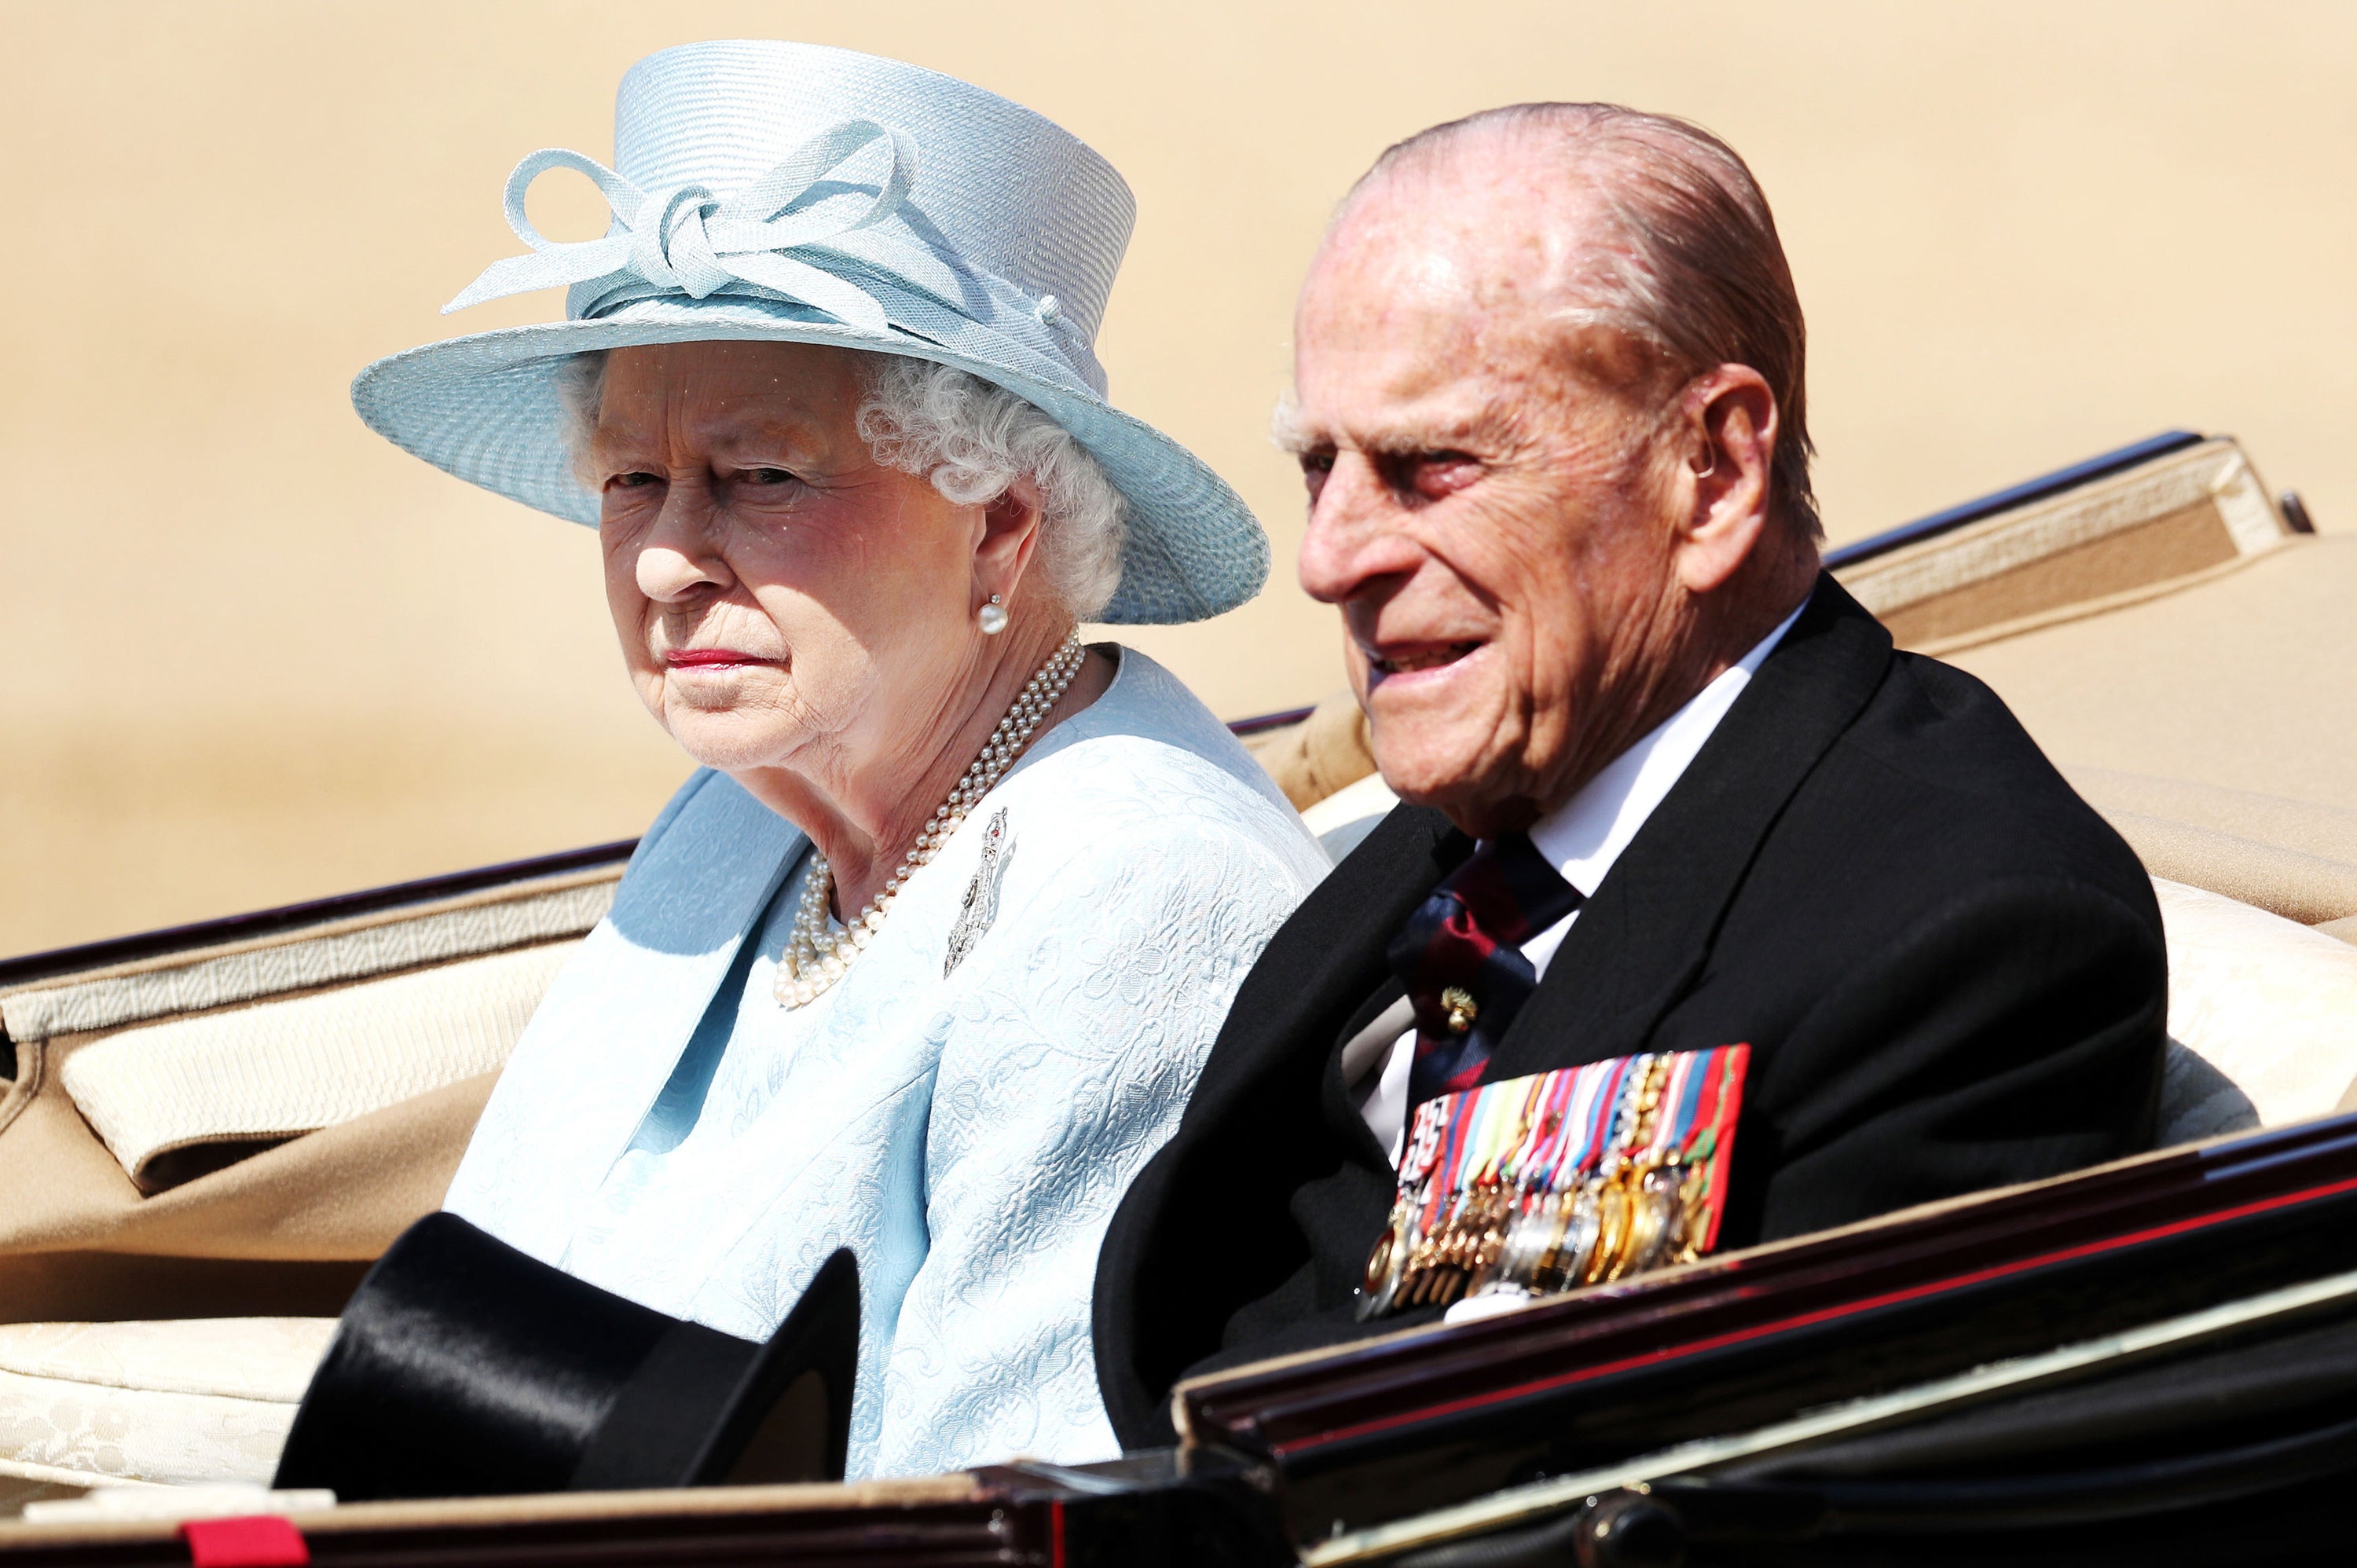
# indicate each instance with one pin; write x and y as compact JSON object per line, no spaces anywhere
{"x":729,"y":741}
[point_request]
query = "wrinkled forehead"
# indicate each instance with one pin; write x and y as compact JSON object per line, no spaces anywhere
{"x":722,"y":390}
{"x":1447,"y":289}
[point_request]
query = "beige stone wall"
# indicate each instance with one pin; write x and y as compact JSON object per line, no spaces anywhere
{"x":252,"y":654}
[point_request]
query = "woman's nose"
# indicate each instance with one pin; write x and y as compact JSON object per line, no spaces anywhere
{"x":679,"y":558}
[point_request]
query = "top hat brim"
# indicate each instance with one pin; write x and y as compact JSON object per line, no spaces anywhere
{"x":702,"y":1412}
{"x":465,"y":1368}
{"x":487,"y":408}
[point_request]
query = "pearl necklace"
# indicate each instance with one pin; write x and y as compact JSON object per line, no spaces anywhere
{"x":817,"y":957}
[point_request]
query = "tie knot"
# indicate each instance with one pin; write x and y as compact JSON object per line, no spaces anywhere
{"x":1510,"y":890}
{"x":1461,"y":962}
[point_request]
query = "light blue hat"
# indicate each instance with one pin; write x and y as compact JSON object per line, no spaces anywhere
{"x":793,"y":193}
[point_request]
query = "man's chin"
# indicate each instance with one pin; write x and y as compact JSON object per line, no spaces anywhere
{"x":1424,"y":778}
{"x":1473,"y":786}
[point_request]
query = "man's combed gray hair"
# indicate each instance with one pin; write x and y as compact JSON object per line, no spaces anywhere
{"x":973,"y":441}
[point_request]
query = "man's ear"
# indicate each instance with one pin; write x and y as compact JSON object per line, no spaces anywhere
{"x":1010,"y":535}
{"x":1727,"y":445}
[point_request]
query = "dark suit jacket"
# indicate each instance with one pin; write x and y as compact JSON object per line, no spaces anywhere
{"x":1948,"y":969}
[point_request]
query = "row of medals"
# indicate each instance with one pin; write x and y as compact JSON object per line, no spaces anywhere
{"x":1633,"y":1214}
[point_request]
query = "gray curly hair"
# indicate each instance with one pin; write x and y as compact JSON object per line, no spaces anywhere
{"x":973,"y":441}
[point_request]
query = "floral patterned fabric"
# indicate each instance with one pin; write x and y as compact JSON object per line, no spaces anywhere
{"x":967,"y":1135}
{"x":196,"y":1399}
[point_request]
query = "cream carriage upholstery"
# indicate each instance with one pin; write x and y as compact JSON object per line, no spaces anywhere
{"x":2262,"y":1017}
{"x":185,"y":1400}
{"x":228,"y":1130}
{"x":247,"y":1125}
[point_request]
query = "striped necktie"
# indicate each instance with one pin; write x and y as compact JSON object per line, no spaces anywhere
{"x":1460,"y":959}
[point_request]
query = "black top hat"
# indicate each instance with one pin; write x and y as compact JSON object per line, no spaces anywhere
{"x":463,"y":1367}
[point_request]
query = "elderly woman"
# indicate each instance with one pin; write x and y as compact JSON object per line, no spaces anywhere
{"x":924,"y":962}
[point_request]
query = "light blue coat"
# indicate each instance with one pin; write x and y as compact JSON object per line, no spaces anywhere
{"x":968,"y":1136}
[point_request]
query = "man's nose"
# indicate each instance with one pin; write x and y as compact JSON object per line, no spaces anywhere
{"x":1355,"y":534}
{"x":679,"y":558}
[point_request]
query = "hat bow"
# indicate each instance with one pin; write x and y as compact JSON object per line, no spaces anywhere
{"x":691,"y":239}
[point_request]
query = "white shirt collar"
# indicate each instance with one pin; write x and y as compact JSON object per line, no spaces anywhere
{"x":1582,"y":837}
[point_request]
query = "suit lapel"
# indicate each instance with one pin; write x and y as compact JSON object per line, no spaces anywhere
{"x":1641,"y":939}
{"x":1324,"y":963}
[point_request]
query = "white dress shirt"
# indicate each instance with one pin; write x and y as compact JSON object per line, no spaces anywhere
{"x":1581,"y":839}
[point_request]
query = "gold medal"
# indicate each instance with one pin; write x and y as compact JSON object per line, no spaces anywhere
{"x":1611,"y":1230}
{"x":1379,"y":1264}
{"x":1652,"y":1220}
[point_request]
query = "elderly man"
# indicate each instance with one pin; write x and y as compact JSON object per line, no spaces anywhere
{"x":1668,"y":789}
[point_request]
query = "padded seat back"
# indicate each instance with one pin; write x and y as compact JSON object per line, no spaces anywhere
{"x":238,"y":1127}
{"x":2262,"y":1017}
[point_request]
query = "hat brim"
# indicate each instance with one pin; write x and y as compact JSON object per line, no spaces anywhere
{"x":487,"y":408}
{"x":463,"y":1367}
{"x":707,"y":1409}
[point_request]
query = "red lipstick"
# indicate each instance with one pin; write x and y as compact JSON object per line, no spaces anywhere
{"x":710,"y":659}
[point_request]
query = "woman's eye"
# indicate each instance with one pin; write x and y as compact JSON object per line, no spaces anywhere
{"x":769,"y":477}
{"x":631,"y":481}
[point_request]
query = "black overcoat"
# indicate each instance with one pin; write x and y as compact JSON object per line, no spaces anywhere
{"x":1948,"y":969}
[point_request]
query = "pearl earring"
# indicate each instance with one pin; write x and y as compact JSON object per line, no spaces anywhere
{"x":992,"y":617}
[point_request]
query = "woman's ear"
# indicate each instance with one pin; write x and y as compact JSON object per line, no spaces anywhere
{"x":1729,"y":440}
{"x":1010,"y":535}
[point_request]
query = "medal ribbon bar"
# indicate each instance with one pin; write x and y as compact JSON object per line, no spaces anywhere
{"x":1545,"y":1184}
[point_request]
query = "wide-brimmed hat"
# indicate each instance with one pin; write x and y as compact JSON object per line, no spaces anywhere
{"x":770,"y":192}
{"x":466,"y":1368}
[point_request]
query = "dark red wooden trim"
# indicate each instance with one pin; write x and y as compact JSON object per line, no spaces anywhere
{"x":1809,"y":1319}
{"x":989,"y":1530}
{"x":1413,"y":1376}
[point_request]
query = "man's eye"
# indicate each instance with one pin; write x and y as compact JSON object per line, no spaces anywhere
{"x":1432,"y":475}
{"x":1315,"y":467}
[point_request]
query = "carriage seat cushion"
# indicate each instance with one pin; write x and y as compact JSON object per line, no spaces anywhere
{"x":174,"y":1402}
{"x":244,"y":1079}
{"x":2262,"y":1017}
